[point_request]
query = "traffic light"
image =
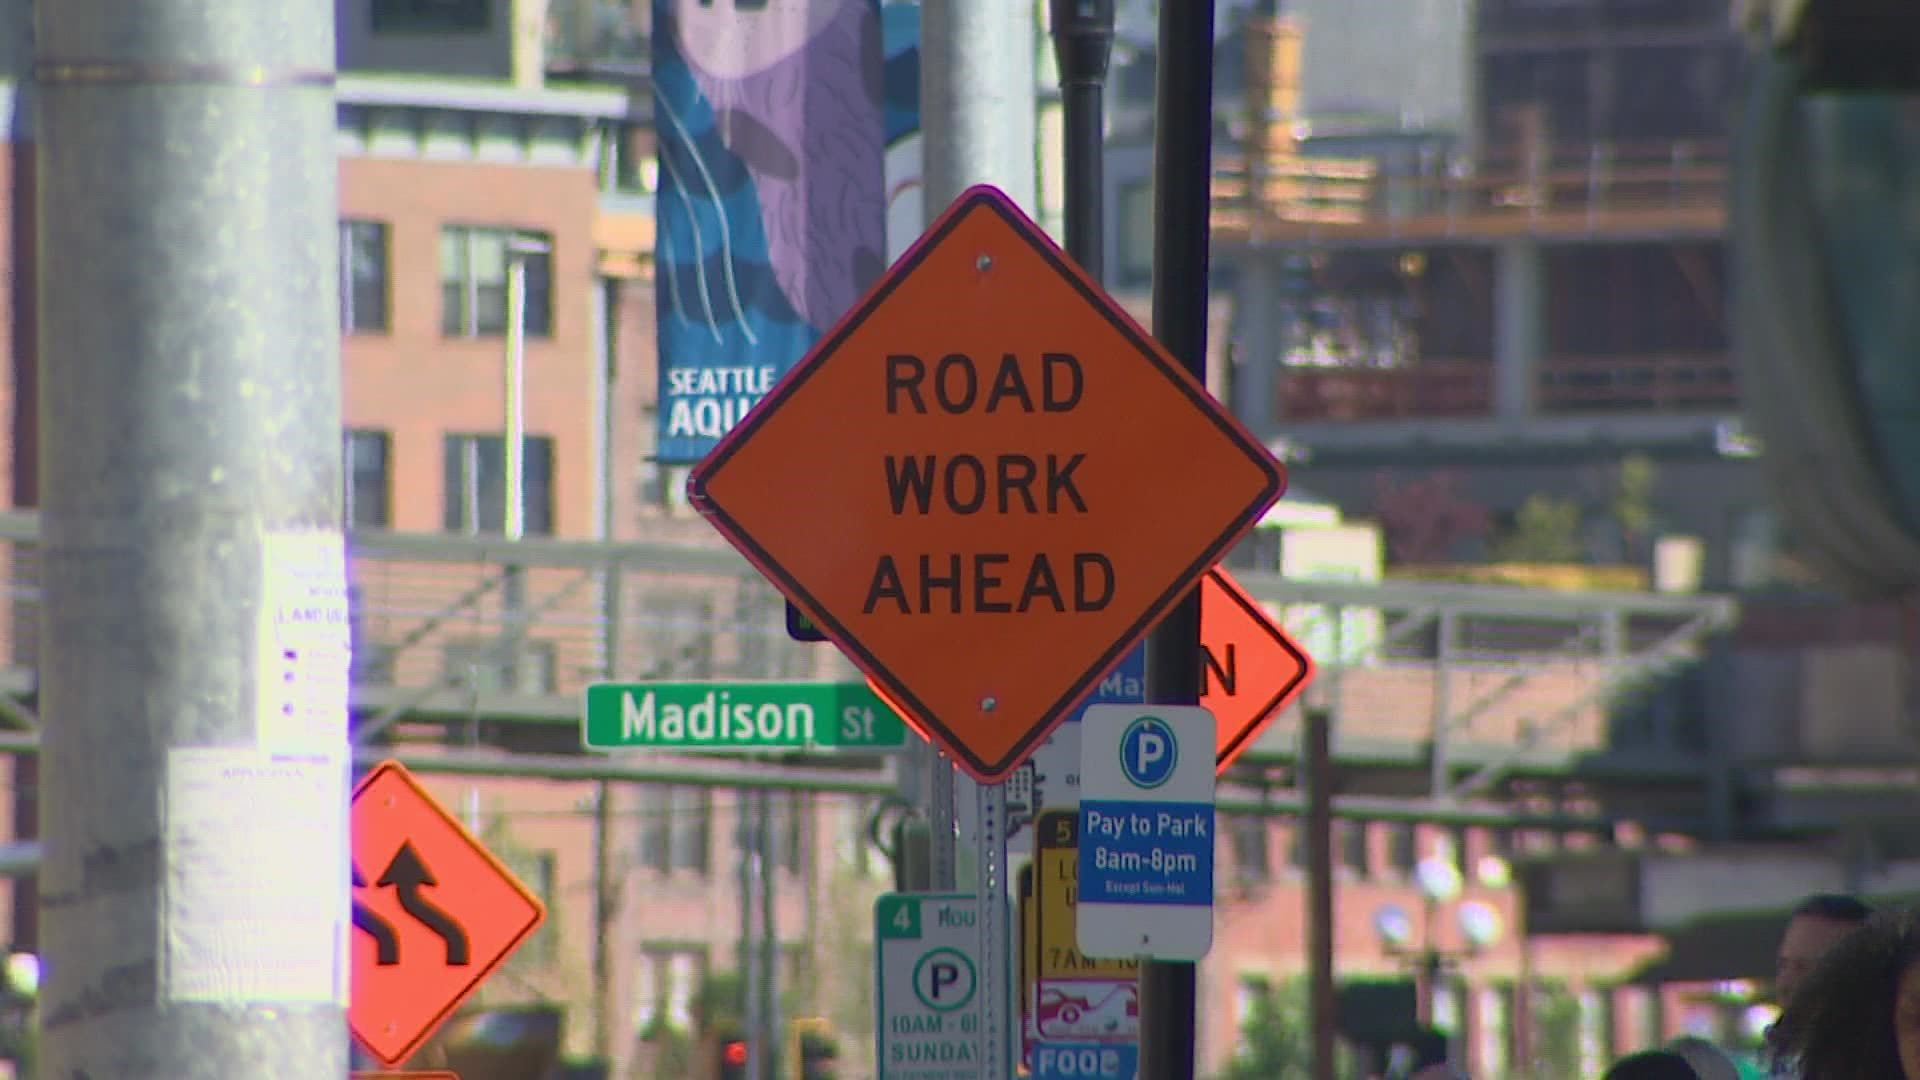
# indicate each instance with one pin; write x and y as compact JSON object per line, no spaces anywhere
{"x":817,"y":1056}
{"x":733,"y":1059}
{"x":814,"y":1049}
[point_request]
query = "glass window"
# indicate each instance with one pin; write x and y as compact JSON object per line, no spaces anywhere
{"x":1350,"y":838}
{"x":1402,"y":852}
{"x":1136,"y":232}
{"x":691,"y":817}
{"x":363,"y":277}
{"x":1248,"y":834}
{"x":656,"y":827}
{"x":795,"y":809}
{"x":475,"y":490}
{"x":430,"y":16}
{"x":473,"y":280}
{"x":495,"y":666}
{"x":536,"y":869}
{"x":368,"y":476}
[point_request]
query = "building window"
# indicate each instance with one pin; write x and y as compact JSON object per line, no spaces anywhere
{"x":666,"y":983}
{"x":1350,"y":838}
{"x":796,"y":810}
{"x":491,"y":666}
{"x":786,"y":820}
{"x":692,"y":828}
{"x":1402,"y":854}
{"x":473,"y":282}
{"x":363,"y":277}
{"x":430,"y":16}
{"x":1248,"y":834}
{"x":656,"y":827}
{"x":537,"y":870}
{"x":369,"y":478}
{"x":476,"y":489}
{"x":676,"y":828}
{"x":1299,"y":850}
{"x":1136,"y":232}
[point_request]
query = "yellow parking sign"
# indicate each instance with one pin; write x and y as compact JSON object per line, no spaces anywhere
{"x":1057,"y":888}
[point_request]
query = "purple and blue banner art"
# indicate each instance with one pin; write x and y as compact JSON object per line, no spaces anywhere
{"x":772,"y":199}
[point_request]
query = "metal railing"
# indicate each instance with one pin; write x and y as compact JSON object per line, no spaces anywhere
{"x":1595,"y":187}
{"x":1464,"y":388}
{"x":1429,"y":388}
{"x":1498,"y":674}
{"x":1667,"y":383}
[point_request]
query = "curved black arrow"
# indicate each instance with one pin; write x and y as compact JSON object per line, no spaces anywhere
{"x":406,"y":874}
{"x":386,"y":943}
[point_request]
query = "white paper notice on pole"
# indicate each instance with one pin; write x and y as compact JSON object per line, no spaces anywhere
{"x":257,"y":904}
{"x":306,"y":643}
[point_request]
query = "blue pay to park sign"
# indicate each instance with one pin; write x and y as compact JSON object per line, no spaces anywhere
{"x":926,"y":987}
{"x":1146,"y":831}
{"x":1085,"y":1061}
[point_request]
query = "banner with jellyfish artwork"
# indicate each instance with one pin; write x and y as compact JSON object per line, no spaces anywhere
{"x":900,"y":95}
{"x":771,"y":212}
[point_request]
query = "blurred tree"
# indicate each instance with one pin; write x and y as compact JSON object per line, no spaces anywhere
{"x":1545,"y":530}
{"x":1426,"y":519}
{"x":1275,"y":1040}
{"x":1633,"y":509}
{"x":1556,"y":1025}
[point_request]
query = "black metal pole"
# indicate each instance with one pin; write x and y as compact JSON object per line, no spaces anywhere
{"x":1082,"y":49}
{"x":1182,"y":191}
{"x":1322,"y":1001}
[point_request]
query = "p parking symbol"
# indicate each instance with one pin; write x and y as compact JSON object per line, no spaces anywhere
{"x":943,"y":980}
{"x":1148,"y":752}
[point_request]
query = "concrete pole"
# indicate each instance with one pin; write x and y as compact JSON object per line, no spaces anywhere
{"x":977,"y":100}
{"x":194,"y":894}
{"x":977,"y":106}
{"x":1050,"y":131}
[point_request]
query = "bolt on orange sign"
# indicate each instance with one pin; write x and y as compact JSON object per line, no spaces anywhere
{"x":434,"y":913}
{"x":986,"y":484}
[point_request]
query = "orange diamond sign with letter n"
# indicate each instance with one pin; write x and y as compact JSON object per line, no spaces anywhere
{"x":953,"y":484}
{"x":1250,"y":667}
{"x":433,"y":914}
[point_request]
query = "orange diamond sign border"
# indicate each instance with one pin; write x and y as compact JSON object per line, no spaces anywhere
{"x":809,"y":493}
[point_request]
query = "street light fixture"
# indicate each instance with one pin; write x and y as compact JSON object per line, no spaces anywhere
{"x":520,"y":247}
{"x":1479,"y":924}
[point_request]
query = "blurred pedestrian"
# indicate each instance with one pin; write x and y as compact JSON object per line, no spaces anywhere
{"x":1857,"y":1014}
{"x":1817,"y":924}
{"x":1652,"y":1065}
{"x":1709,"y":1061}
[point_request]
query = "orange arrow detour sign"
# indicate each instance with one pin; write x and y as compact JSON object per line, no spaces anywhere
{"x":434,"y":913}
{"x":949,"y":485}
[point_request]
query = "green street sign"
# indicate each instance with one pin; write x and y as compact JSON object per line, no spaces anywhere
{"x":739,"y":716}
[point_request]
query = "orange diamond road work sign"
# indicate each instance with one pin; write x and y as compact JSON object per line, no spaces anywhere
{"x":986,"y":483}
{"x":434,"y":913}
{"x":1250,"y":668}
